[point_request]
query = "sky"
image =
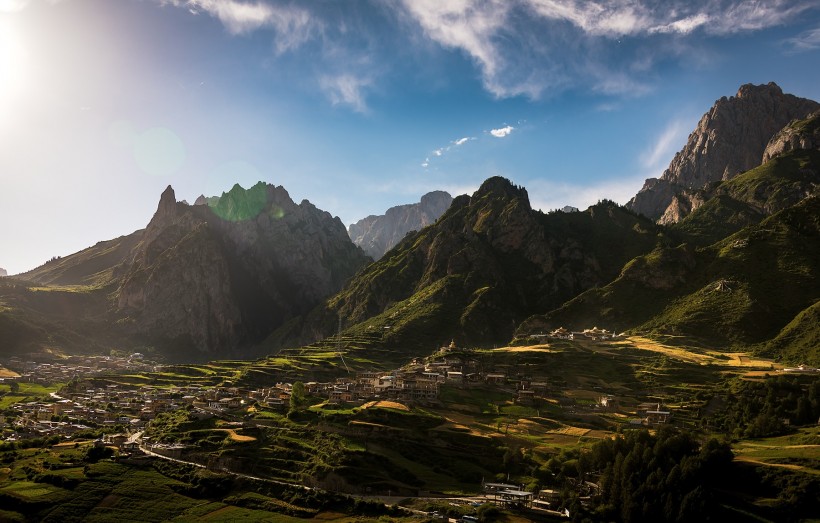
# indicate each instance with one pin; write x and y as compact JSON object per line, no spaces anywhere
{"x":359,"y":105}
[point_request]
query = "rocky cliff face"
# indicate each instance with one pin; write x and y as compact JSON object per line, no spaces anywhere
{"x":214,"y":276}
{"x":378,"y":234}
{"x":729,"y":139}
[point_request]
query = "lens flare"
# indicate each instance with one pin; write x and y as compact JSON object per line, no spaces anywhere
{"x":159,"y":152}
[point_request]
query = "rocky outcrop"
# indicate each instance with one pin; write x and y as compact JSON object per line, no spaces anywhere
{"x":3,"y":272}
{"x":682,"y":205}
{"x":729,"y":139}
{"x":378,"y":234}
{"x":801,"y":134}
{"x":213,"y":277}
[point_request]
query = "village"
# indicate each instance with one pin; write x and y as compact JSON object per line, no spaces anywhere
{"x":82,"y":408}
{"x":72,"y":367}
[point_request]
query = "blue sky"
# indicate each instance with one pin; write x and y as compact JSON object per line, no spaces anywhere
{"x":359,"y":105}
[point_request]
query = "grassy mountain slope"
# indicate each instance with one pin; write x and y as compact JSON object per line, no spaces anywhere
{"x":799,"y":340}
{"x":742,"y":290}
{"x":51,"y":320}
{"x":749,"y":197}
{"x":92,"y":266}
{"x":487,"y":263}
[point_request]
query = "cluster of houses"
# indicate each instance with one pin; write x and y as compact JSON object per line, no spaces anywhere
{"x":801,"y":369}
{"x":594,"y":334}
{"x":84,"y":408}
{"x":72,"y":367}
{"x":84,"y":405}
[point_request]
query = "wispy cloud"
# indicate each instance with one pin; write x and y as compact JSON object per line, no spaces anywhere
{"x":805,"y":41}
{"x":659,"y":153}
{"x":441,"y":151}
{"x":347,"y":89}
{"x":519,"y":46}
{"x":525,"y":48}
{"x":293,"y":25}
{"x":682,"y":26}
{"x":502,"y":131}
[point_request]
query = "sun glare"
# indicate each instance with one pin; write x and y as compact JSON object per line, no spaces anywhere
{"x":13,"y":67}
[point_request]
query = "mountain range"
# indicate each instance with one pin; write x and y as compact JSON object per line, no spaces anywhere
{"x":720,"y":251}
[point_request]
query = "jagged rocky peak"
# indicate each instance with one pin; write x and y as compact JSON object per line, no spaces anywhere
{"x":378,"y":234}
{"x":222,"y":274}
{"x":167,"y":207}
{"x":729,"y":139}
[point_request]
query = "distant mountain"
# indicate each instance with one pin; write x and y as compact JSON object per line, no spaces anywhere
{"x":209,"y":279}
{"x":489,"y":262}
{"x":730,"y":138}
{"x":378,"y":234}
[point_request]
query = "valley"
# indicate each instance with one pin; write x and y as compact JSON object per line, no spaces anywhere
{"x":525,"y":410}
{"x":242,"y":359}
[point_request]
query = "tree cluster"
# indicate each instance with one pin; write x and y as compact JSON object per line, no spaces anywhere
{"x":761,"y":409}
{"x":643,"y":477}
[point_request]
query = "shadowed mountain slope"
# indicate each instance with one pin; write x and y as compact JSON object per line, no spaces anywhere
{"x":199,"y":280}
{"x":487,"y":263}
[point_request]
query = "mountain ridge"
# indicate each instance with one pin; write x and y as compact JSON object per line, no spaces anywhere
{"x":485,"y":265}
{"x":729,"y":139}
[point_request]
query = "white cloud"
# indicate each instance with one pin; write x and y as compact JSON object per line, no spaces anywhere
{"x":805,"y":41}
{"x":658,"y":155}
{"x":293,"y":26}
{"x":502,"y":132}
{"x":520,"y":46}
{"x":682,"y":26}
{"x":347,"y":89}
{"x":441,"y":151}
{"x":753,"y":16}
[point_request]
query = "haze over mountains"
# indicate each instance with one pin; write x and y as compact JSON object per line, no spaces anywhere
{"x":378,"y":234}
{"x":721,"y":249}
